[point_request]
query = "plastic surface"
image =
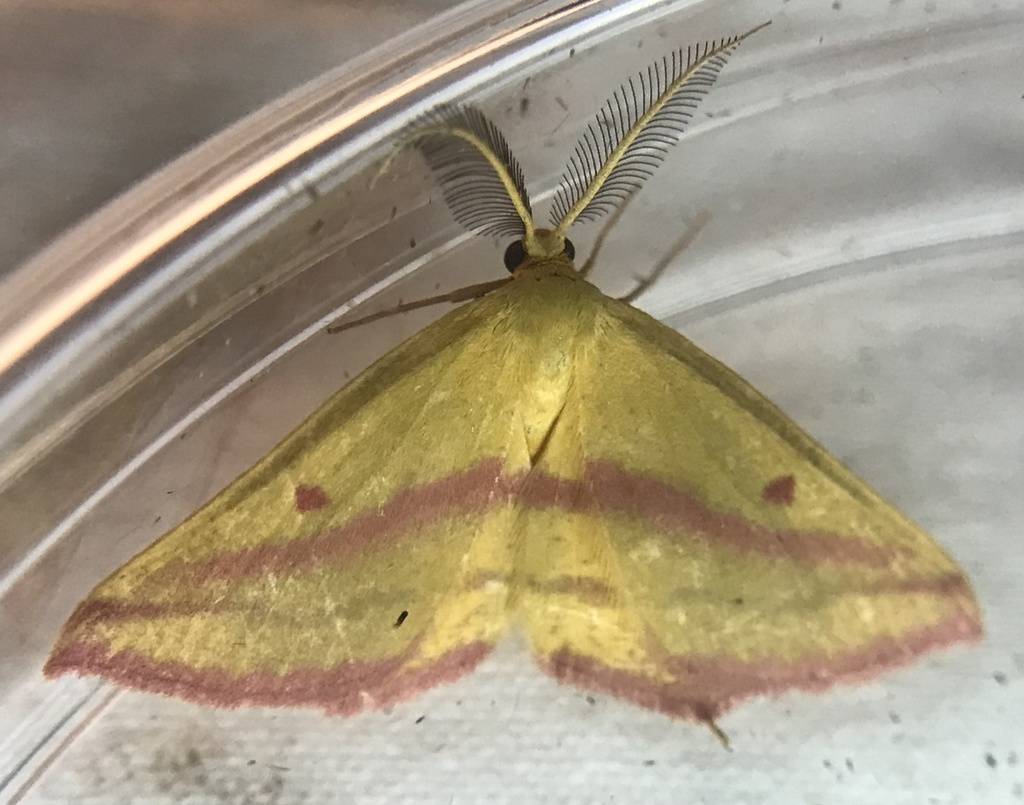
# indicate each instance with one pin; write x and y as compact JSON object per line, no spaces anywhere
{"x":862,"y":171}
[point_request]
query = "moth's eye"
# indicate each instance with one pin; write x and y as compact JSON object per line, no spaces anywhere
{"x":569,"y":250}
{"x":515,"y":255}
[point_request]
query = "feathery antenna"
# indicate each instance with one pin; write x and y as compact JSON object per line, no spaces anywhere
{"x":482,"y":181}
{"x":632,"y":134}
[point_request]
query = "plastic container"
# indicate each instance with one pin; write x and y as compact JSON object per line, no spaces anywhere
{"x":862,"y":172}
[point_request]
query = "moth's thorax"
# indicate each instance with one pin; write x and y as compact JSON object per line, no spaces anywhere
{"x":554,"y":313}
{"x":542,"y":267}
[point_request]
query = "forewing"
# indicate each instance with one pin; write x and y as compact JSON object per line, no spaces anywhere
{"x":343,"y":570}
{"x":699,"y":548}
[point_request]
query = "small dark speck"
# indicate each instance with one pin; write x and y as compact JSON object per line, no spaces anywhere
{"x":412,"y":243}
{"x":421,"y":719}
{"x":738,"y":601}
{"x":524,"y":105}
{"x":250,"y":762}
{"x":591,"y":700}
{"x":561,"y":102}
{"x":572,"y":52}
{"x":894,"y":718}
{"x":990,"y":760}
{"x":849,"y":764}
{"x":837,"y":6}
{"x":999,"y":677}
{"x":394,"y":212}
{"x":158,"y":519}
{"x":401,"y":618}
{"x":260,"y":289}
{"x":317,"y":225}
{"x":648,"y":762}
{"x":827,"y":764}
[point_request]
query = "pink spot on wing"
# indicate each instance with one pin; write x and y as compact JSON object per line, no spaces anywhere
{"x":780,"y":490}
{"x":310,"y":497}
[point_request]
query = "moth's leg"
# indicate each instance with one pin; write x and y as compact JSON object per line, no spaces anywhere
{"x":452,"y":297}
{"x":684,"y":241}
{"x":599,"y":240}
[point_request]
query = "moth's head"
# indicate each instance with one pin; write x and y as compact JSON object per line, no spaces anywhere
{"x":540,"y":244}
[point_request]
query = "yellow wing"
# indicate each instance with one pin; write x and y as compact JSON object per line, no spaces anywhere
{"x":351,"y":566}
{"x":690,"y":546}
{"x":661,"y":530}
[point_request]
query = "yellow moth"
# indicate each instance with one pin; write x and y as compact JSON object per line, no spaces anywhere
{"x":546,"y":458}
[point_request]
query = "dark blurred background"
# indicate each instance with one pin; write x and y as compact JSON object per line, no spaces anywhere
{"x":95,"y":95}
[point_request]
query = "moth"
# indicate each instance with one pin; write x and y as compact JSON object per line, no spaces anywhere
{"x":542,"y":458}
